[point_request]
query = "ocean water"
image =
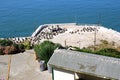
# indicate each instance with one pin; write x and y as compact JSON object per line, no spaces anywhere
{"x":22,"y":17}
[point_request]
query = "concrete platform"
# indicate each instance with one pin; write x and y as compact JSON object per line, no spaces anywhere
{"x":23,"y":67}
{"x":4,"y":61}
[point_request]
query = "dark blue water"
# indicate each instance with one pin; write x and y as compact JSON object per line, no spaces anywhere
{"x":22,"y":17}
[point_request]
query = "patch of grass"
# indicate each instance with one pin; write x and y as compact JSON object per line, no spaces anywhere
{"x":105,"y":52}
{"x":109,"y":52}
{"x":82,"y":50}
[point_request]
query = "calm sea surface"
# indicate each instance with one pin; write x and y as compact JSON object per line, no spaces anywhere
{"x":22,"y":17}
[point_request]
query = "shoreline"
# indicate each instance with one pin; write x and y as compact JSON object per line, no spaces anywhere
{"x":75,"y":35}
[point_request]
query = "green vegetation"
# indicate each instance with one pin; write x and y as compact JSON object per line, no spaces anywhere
{"x":105,"y":48}
{"x":109,"y":52}
{"x":27,"y":45}
{"x":102,"y":45}
{"x":8,"y":47}
{"x":82,"y":50}
{"x":5,"y":42}
{"x":45,"y":50}
{"x":105,"y":52}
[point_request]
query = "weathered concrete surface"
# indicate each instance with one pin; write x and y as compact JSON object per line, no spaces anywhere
{"x":23,"y":67}
{"x":4,"y":60}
